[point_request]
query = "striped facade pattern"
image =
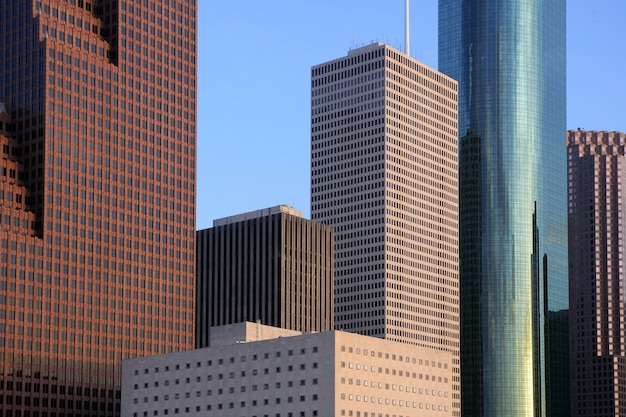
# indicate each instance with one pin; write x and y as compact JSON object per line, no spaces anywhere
{"x":276,"y":269}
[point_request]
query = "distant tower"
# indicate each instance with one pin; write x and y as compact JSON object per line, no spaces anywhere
{"x":384,"y":175}
{"x":597,"y":216}
{"x":270,"y":265}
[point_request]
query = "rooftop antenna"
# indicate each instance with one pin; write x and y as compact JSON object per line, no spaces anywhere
{"x":407,"y":49}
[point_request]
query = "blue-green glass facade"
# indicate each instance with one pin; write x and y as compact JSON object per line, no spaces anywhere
{"x":509,"y":60}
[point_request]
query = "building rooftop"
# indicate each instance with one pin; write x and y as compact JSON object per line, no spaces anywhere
{"x":245,"y":332}
{"x":257,"y":214}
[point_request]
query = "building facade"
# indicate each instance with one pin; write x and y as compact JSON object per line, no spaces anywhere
{"x":384,"y":175}
{"x":315,"y":374}
{"x":597,"y":190}
{"x":509,"y":60}
{"x":271,"y":265}
{"x":98,"y":210}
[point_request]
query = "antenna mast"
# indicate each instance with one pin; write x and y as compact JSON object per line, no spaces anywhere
{"x":407,"y":48}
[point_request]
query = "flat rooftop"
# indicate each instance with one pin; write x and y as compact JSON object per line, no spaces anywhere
{"x":257,"y":214}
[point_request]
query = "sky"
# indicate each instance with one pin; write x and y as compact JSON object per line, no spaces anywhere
{"x":254,"y":85}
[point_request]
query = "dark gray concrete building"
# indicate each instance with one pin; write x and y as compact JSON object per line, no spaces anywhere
{"x":270,"y":265}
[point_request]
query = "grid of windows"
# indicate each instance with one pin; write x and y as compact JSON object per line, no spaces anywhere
{"x":596,"y":188}
{"x":97,"y":209}
{"x":384,"y":175}
{"x":282,"y":377}
{"x":328,"y":373}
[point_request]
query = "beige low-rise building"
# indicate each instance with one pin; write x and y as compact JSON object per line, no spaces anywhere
{"x":314,"y":374}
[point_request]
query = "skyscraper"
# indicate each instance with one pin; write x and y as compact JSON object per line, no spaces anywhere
{"x":384,"y":175}
{"x":271,"y":266}
{"x":509,"y":60}
{"x":597,"y":191}
{"x":97,"y":260}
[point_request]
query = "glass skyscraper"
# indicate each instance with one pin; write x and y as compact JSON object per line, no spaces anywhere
{"x":509,"y":60}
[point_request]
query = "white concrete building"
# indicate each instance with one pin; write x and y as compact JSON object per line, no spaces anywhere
{"x":314,"y":374}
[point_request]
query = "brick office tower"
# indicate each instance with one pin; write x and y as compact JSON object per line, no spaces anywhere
{"x":597,"y":192}
{"x":270,"y":265}
{"x":384,"y":174}
{"x":97,"y":260}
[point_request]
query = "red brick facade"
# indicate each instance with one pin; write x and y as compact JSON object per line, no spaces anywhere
{"x":98,"y":201}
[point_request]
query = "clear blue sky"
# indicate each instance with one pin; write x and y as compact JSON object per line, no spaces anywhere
{"x":254,"y":85}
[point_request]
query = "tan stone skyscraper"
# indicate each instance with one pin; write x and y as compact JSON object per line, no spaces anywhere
{"x":97,"y":197}
{"x":597,"y":192}
{"x":384,"y":174}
